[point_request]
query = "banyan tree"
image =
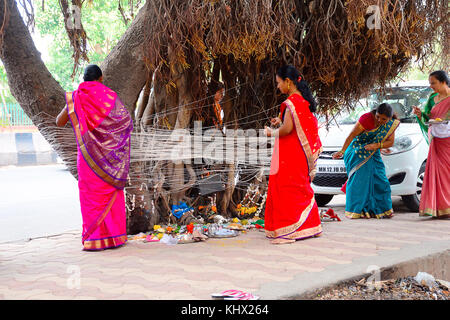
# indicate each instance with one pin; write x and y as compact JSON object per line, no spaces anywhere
{"x":167,"y":66}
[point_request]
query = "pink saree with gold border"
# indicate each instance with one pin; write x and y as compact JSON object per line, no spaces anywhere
{"x":102,"y":127}
{"x":435,"y":197}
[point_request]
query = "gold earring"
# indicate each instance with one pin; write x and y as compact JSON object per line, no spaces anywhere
{"x":289,"y":85}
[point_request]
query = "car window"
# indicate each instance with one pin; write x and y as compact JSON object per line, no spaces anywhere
{"x":400,"y":98}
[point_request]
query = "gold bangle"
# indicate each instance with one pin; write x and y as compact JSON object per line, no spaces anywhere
{"x":381,"y":145}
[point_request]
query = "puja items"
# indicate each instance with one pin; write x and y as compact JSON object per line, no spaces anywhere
{"x":328,"y":215}
{"x":179,"y":210}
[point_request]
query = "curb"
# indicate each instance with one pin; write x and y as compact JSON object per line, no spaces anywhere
{"x":430,"y":257}
{"x":25,"y":149}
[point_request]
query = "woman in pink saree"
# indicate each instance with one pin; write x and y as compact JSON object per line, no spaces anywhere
{"x":435,"y":198}
{"x":102,"y":127}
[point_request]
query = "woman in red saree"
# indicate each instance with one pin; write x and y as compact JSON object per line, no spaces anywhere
{"x":102,"y":127}
{"x":291,"y":210}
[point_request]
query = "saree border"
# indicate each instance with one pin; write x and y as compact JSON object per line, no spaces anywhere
{"x":354,"y":215}
{"x":87,"y":157}
{"x":394,"y":127}
{"x":303,"y":234}
{"x":100,"y":244}
{"x":284,"y":231}
{"x":434,"y":212}
{"x":101,"y":217}
{"x":311,"y":157}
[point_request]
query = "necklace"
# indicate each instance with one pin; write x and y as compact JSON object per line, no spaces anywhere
{"x":439,"y":100}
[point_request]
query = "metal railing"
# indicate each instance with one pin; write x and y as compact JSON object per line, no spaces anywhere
{"x":12,"y":115}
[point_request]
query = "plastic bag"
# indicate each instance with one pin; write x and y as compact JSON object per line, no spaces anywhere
{"x":425,"y":279}
{"x":169,"y":240}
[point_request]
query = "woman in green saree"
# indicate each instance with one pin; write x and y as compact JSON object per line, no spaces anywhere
{"x":436,"y":79}
{"x":435,"y":199}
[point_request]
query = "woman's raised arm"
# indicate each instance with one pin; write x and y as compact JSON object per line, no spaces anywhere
{"x":62,"y":118}
{"x":284,"y":130}
{"x":357,"y":130}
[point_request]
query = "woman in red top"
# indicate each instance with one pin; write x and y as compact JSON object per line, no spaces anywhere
{"x":368,"y":193}
{"x":291,"y":210}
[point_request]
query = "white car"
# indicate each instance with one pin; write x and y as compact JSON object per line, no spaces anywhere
{"x":404,"y":161}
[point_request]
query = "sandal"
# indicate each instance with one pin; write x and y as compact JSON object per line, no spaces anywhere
{"x":227,"y":294}
{"x":243,"y":296}
{"x":329,"y":215}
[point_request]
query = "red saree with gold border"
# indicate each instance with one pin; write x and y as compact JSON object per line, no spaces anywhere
{"x":291,"y":210}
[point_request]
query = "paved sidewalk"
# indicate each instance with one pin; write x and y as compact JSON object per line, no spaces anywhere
{"x":57,"y":268}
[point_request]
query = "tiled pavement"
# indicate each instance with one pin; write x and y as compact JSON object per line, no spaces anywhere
{"x":57,"y":268}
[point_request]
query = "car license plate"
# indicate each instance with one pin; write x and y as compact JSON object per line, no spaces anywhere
{"x":329,"y":168}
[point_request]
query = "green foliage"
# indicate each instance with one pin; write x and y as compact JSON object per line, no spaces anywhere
{"x":414,"y":73}
{"x":103,"y":24}
{"x":437,"y":61}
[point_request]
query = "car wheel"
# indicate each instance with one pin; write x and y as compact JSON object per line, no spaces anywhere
{"x":323,"y":199}
{"x":412,"y":201}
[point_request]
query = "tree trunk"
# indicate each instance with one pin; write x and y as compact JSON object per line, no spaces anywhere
{"x":142,"y":104}
{"x":41,"y":96}
{"x":125,"y":72}
{"x":153,"y":186}
{"x":124,"y":68}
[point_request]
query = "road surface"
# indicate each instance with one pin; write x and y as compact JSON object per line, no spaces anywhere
{"x":37,"y":201}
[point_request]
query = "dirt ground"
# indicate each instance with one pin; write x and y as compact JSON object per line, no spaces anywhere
{"x":396,"y":289}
